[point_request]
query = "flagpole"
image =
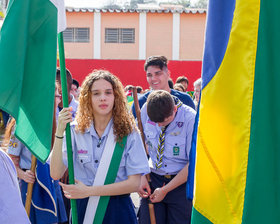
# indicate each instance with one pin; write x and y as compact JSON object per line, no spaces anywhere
{"x":68,"y":134}
{"x":140,"y":126}
{"x":30,"y":187}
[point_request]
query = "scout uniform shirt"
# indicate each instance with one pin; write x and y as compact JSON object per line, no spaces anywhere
{"x":11,"y":207}
{"x":17,"y":148}
{"x":88,"y":149}
{"x":177,"y":144}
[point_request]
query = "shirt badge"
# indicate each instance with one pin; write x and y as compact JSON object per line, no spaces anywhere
{"x":176,"y":151}
{"x":13,"y":144}
{"x":175,"y":133}
{"x":180,"y":124}
{"x":81,"y":151}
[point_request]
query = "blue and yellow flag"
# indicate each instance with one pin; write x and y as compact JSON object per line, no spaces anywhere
{"x":237,"y":176}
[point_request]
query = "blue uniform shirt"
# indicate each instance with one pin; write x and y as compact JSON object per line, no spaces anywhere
{"x":17,"y":148}
{"x":88,"y":149}
{"x":177,"y":140}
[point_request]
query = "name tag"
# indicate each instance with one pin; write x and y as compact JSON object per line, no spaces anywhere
{"x":83,"y":158}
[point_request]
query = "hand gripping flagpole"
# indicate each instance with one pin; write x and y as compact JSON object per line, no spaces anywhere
{"x":140,"y":126}
{"x":68,"y":133}
{"x":30,"y":187}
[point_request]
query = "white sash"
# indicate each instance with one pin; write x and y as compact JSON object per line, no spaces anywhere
{"x":100,"y":176}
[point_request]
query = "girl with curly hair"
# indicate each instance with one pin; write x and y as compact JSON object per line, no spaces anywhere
{"x":103,"y":128}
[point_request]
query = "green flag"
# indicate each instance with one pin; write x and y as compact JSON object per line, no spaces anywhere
{"x":28,"y":51}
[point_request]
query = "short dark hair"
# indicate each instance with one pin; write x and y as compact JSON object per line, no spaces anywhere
{"x":160,"y":105}
{"x":159,"y":61}
{"x":139,"y":89}
{"x":68,"y":76}
{"x":170,"y":83}
{"x":182,"y":79}
{"x":128,"y":88}
{"x":76,"y":83}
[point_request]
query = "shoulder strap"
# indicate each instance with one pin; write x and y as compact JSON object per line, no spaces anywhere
{"x":110,"y":178}
{"x":109,"y":164}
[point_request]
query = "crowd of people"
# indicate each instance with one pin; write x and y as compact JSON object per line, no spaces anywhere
{"x":109,"y":155}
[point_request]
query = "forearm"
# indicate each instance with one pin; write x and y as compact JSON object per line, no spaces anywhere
{"x":15,"y":160}
{"x":179,"y":179}
{"x":57,"y":168}
{"x":20,"y":172}
{"x":124,"y":187}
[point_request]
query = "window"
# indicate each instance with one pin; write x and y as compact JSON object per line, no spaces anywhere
{"x":80,"y":35}
{"x":111,"y":35}
{"x":119,"y":35}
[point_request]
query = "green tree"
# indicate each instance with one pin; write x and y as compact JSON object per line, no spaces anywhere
{"x":201,"y":4}
{"x":185,"y":3}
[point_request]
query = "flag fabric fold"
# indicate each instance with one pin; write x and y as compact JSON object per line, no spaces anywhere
{"x":44,"y":199}
{"x":28,"y":49}
{"x":237,"y":174}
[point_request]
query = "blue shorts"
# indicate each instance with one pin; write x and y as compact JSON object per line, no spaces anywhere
{"x":120,"y":210}
{"x":175,"y":208}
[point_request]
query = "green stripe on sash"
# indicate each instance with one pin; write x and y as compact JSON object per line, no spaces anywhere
{"x":110,"y":178}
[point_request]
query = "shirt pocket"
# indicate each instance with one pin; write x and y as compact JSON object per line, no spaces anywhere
{"x":84,"y":166}
{"x":175,"y":147}
{"x":152,"y":144}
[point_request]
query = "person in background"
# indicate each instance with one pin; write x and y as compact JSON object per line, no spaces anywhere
{"x":75,"y":89}
{"x":184,"y":81}
{"x":139,"y":89}
{"x":102,"y":117}
{"x":168,"y":127}
{"x":128,"y":88}
{"x":157,"y":76}
{"x":179,"y":87}
{"x":197,"y":90}
{"x":71,"y":100}
{"x":129,"y":95}
{"x":11,"y":207}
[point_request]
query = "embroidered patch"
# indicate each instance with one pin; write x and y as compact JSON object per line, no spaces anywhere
{"x":81,"y":151}
{"x":176,"y":151}
{"x":175,"y":133}
{"x":13,"y":144}
{"x":179,"y":124}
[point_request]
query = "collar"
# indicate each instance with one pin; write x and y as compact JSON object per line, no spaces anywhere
{"x":73,"y":101}
{"x":93,"y":133}
{"x":176,"y":119}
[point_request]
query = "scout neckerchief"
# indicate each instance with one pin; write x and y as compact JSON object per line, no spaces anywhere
{"x":109,"y":165}
{"x":160,"y":147}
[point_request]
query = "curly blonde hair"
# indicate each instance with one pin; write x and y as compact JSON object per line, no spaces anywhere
{"x":122,"y":119}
